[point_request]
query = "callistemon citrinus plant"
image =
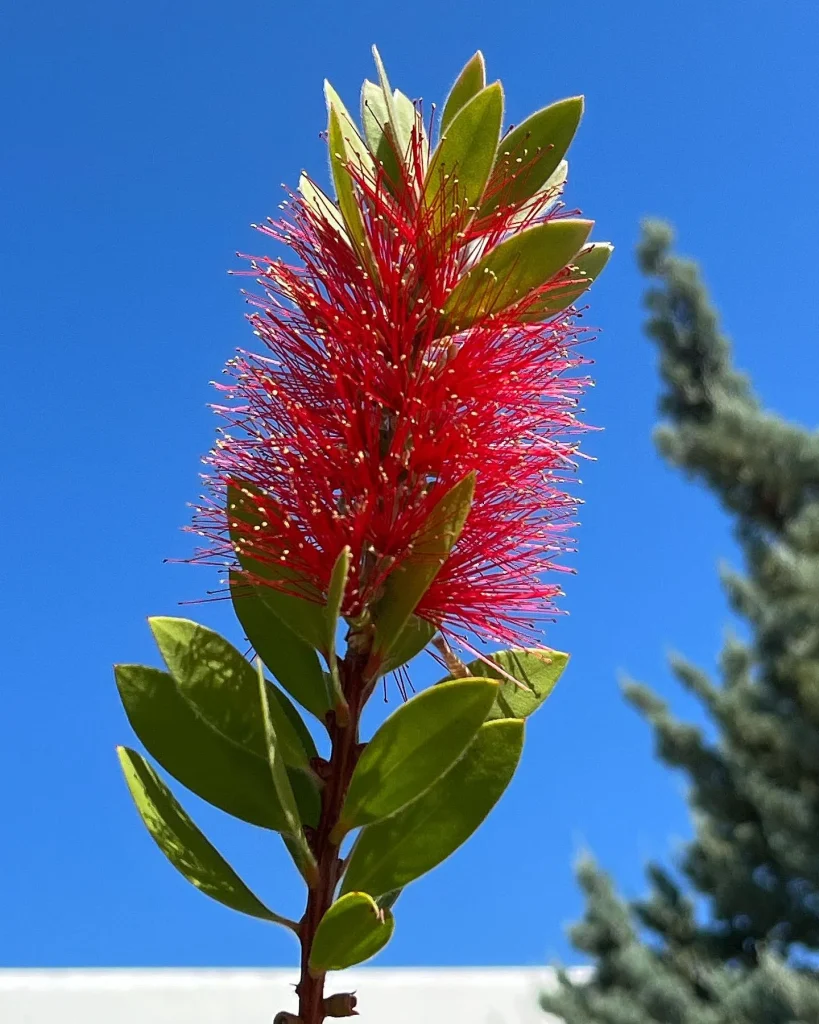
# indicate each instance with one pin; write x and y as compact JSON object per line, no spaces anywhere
{"x":391,"y":475}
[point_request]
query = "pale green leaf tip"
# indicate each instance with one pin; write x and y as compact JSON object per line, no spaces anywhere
{"x":331,"y":97}
{"x":159,"y":622}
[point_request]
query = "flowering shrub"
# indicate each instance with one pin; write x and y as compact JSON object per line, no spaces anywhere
{"x":391,"y":474}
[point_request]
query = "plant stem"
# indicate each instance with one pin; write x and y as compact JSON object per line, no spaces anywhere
{"x":343,"y":757}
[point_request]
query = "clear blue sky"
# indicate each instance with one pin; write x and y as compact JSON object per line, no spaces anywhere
{"x":138,"y":143}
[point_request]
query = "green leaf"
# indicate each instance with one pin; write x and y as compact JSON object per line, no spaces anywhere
{"x":335,"y":592}
{"x":387,"y":93}
{"x":292,"y":661}
{"x":463,"y":159}
{"x":536,"y":670}
{"x":416,"y":745}
{"x":305,"y":861}
{"x":532,"y":152}
{"x":375,"y":119}
{"x":406,"y":118}
{"x":388,"y":140}
{"x":389,"y":899}
{"x":222,"y":687}
{"x":399,"y":849}
{"x":184,"y":845}
{"x":546,"y":196}
{"x":354,"y":929}
{"x":581,"y":274}
{"x":322,"y":205}
{"x":232,"y":779}
{"x":354,"y":145}
{"x":374,"y":116}
{"x":300,"y":607}
{"x":468,"y":84}
{"x":341,"y":157}
{"x":406,"y":585}
{"x":412,"y":639}
{"x":335,"y":600}
{"x":513,"y":269}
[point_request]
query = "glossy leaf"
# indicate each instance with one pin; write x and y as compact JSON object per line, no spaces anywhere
{"x":222,"y":687}
{"x":468,"y":84}
{"x":416,"y":745}
{"x":513,"y":269}
{"x":462,"y":161}
{"x":304,"y":858}
{"x":292,"y":660}
{"x":299,"y":606}
{"x":354,"y":929}
{"x":583,"y":272}
{"x":412,"y":640}
{"x":399,"y":849}
{"x":184,"y":845}
{"x":406,"y":585}
{"x":532,"y":152}
{"x":218,"y":771}
{"x":536,"y":671}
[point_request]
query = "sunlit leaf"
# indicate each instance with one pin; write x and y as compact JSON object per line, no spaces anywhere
{"x":184,"y":845}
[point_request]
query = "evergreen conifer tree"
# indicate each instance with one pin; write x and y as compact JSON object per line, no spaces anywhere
{"x":735,"y":939}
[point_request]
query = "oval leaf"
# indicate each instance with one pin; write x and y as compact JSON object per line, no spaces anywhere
{"x":468,"y":84}
{"x":220,"y":772}
{"x":462,"y":161}
{"x":292,"y":661}
{"x":222,"y":686}
{"x":564,"y":290}
{"x":406,"y":585}
{"x":416,"y":745}
{"x":534,"y":674}
{"x":184,"y":845}
{"x":531,"y":153}
{"x":393,"y":852}
{"x":354,"y":929}
{"x":513,"y":269}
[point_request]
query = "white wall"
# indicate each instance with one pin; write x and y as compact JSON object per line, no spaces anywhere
{"x":472,"y":995}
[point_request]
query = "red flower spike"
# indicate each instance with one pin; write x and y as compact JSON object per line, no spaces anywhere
{"x":362,"y":413}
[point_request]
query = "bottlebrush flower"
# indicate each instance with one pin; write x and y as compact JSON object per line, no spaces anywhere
{"x":420,"y":331}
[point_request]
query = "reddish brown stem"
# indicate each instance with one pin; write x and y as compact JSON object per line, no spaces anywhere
{"x":345,"y":751}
